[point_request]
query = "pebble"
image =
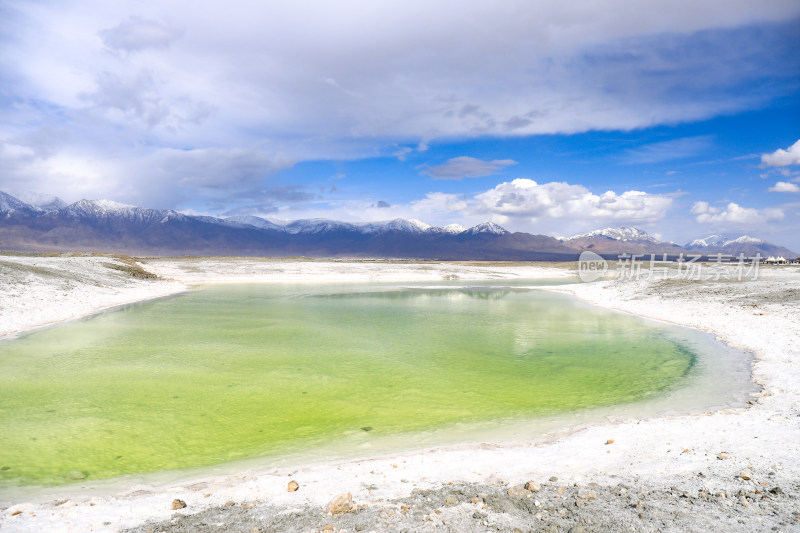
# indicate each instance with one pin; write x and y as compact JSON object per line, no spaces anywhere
{"x":533,"y":486}
{"x":723,"y":455}
{"x":341,"y":504}
{"x":553,"y":479}
{"x":745,"y":475}
{"x":587,"y":494}
{"x":293,"y":486}
{"x":177,"y":504}
{"x":450,"y":501}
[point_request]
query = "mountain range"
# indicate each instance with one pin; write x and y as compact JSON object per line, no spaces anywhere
{"x":40,"y":223}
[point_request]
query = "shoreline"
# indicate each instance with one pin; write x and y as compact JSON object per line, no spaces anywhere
{"x":643,"y":450}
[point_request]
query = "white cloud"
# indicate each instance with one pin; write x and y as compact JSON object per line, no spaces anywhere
{"x":467,"y":167}
{"x":784,"y":186}
{"x":782,"y":158}
{"x":439,"y":202}
{"x":525,"y":198}
{"x":734,"y":214}
{"x":351,"y":79}
{"x":136,"y":33}
{"x":671,"y":150}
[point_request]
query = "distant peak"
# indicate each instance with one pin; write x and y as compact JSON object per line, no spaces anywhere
{"x":622,"y":233}
{"x":488,"y":228}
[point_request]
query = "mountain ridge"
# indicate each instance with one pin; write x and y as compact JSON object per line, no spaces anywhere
{"x":105,"y":225}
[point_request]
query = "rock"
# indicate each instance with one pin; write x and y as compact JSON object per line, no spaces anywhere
{"x":744,"y":501}
{"x":533,"y":486}
{"x":293,"y":486}
{"x":587,"y":494}
{"x":517,"y":491}
{"x":577,"y":529}
{"x":745,"y":475}
{"x":451,"y":501}
{"x":177,"y":504}
{"x":610,"y":441}
{"x":776,"y":490}
{"x":230,"y":503}
{"x":76,"y":474}
{"x":4,"y":468}
{"x":553,"y":479}
{"x":341,"y":504}
{"x":723,"y":455}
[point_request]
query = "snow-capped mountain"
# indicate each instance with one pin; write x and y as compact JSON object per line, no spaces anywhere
{"x":624,"y":233}
{"x":10,"y":204}
{"x":110,"y":210}
{"x":453,"y":229}
{"x":42,"y":201}
{"x":256,"y":222}
{"x":486,"y":228}
{"x":729,"y":245}
{"x":107,"y":226}
{"x":323,"y":225}
{"x":712,"y":241}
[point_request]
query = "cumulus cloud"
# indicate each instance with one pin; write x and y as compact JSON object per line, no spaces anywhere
{"x":439,"y":202}
{"x":782,"y":158}
{"x":558,"y":200}
{"x":136,"y":33}
{"x":784,"y":186}
{"x":734,"y":214}
{"x":467,"y":167}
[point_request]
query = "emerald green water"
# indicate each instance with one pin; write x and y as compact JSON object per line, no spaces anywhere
{"x":232,"y":372}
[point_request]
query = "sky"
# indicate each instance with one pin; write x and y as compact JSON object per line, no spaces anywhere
{"x":681,"y":118}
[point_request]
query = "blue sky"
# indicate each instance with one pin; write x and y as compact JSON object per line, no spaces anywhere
{"x":680,"y":118}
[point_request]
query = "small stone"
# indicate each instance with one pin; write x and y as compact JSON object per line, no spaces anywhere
{"x":723,"y":455}
{"x":360,"y":527}
{"x":517,"y":491}
{"x":177,"y":504}
{"x":610,"y":441}
{"x":5,"y":468}
{"x":451,"y":501}
{"x":553,"y":479}
{"x":293,"y":486}
{"x":230,"y":503}
{"x":341,"y":504}
{"x":744,"y":501}
{"x":587,"y":494}
{"x":776,"y":490}
{"x":533,"y":486}
{"x":745,"y":475}
{"x":577,"y":529}
{"x":561,"y":489}
{"x":76,"y":474}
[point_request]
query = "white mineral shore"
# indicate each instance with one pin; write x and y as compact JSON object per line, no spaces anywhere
{"x":761,"y":316}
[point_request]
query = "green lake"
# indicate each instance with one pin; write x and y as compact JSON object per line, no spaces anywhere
{"x":231,"y":372}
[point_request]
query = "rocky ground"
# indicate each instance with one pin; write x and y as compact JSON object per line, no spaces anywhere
{"x":741,"y":505}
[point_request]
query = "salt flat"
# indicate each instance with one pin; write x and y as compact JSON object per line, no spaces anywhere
{"x":734,"y":457}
